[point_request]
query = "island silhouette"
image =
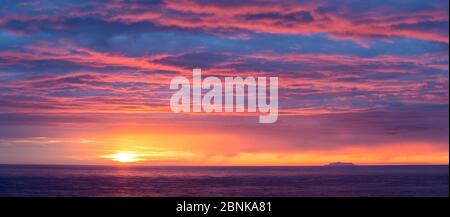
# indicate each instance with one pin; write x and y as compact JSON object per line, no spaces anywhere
{"x":340,"y":164}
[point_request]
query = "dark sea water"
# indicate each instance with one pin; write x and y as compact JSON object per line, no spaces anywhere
{"x":38,"y":180}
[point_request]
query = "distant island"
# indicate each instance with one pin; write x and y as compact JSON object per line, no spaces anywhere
{"x":340,"y":164}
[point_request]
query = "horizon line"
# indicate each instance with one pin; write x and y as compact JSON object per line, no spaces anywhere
{"x":142,"y":165}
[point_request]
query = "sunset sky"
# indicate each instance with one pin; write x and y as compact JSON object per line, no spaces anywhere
{"x":87,"y":82}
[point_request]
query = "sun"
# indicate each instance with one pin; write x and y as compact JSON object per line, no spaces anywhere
{"x":125,"y":157}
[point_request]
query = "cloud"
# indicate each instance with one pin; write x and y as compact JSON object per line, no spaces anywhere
{"x":418,"y":19}
{"x":353,"y":75}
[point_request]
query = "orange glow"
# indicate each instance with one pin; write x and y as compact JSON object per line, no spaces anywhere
{"x":170,"y":145}
{"x":393,"y":154}
{"x":125,"y":157}
{"x":164,"y":149}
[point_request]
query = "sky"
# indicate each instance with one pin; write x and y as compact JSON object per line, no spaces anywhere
{"x":87,"y":82}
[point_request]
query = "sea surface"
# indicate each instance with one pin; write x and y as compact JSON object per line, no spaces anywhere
{"x":126,"y":181}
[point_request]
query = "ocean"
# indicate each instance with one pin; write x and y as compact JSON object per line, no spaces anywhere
{"x":302,"y":181}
